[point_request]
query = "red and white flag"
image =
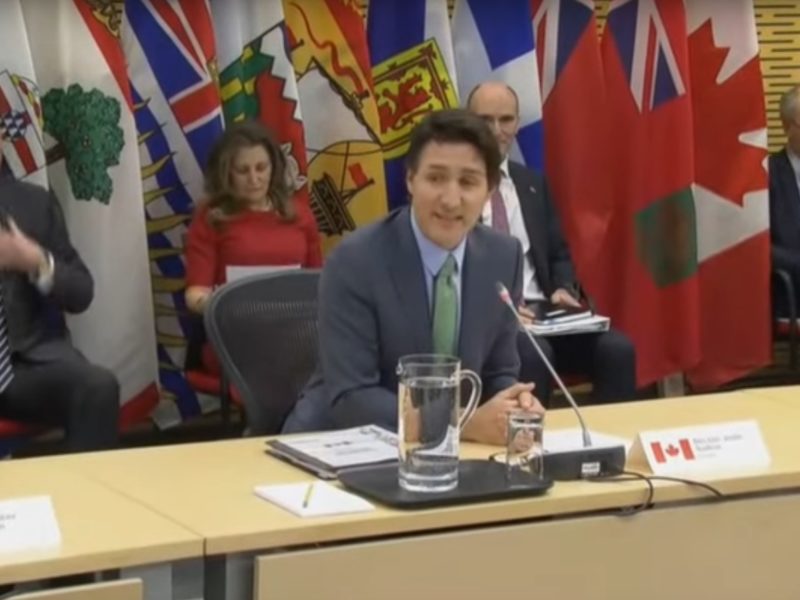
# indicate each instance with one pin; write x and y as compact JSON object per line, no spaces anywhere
{"x":730,"y":190}
{"x":20,"y":105}
{"x":663,"y":453}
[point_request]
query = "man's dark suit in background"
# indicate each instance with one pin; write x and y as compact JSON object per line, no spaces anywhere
{"x":53,"y":383}
{"x":784,"y":219}
{"x":608,"y":358}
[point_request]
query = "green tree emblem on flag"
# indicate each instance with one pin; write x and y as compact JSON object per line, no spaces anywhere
{"x":666,"y":238}
{"x":86,"y":127}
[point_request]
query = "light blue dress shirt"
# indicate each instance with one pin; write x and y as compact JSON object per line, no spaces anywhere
{"x":433,"y":258}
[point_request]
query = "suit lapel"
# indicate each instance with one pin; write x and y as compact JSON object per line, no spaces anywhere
{"x":789,"y":182}
{"x":537,"y":237}
{"x":473,"y":297}
{"x":408,"y":278}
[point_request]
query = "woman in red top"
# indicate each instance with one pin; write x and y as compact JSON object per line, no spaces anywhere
{"x":250,"y":217}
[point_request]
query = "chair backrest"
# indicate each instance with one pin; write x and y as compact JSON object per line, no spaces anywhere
{"x":264,"y":331}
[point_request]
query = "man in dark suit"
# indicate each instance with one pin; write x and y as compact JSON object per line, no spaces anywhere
{"x":43,"y":378}
{"x":784,"y":197}
{"x":379,"y":292}
{"x":522,"y":207}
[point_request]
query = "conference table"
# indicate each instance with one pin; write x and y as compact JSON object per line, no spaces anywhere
{"x":576,"y":541}
{"x":101,"y":529}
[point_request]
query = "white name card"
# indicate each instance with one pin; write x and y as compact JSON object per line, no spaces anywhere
{"x":728,"y":446}
{"x":28,"y":524}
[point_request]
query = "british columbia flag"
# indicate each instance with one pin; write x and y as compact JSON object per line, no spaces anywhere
{"x":170,"y":51}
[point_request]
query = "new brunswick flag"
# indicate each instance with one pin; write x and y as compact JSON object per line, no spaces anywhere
{"x":345,"y":161}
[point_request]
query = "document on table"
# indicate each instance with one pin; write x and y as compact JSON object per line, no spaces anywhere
{"x":327,"y":452}
{"x":28,"y":524}
{"x":313,"y":499}
{"x":236,"y":272}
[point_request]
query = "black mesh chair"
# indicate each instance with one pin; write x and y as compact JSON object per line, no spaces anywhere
{"x":264,"y":331}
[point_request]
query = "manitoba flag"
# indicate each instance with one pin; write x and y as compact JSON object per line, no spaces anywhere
{"x":663,"y":453}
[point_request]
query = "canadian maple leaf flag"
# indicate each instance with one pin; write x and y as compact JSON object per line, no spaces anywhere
{"x":730,"y":190}
{"x":664,"y":453}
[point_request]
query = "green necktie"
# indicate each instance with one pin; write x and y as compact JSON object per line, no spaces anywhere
{"x":445,"y":308}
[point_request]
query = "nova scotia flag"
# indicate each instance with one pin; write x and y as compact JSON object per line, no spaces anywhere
{"x":494,"y":41}
{"x":411,"y":54}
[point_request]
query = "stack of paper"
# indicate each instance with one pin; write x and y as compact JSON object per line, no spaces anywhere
{"x":314,"y":499}
{"x":586,"y":324}
{"x":326,"y":453}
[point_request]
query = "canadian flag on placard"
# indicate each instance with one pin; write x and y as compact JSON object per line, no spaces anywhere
{"x":663,"y":453}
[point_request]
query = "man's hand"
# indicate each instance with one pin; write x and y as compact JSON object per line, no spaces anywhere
{"x":18,"y":252}
{"x":489,"y":423}
{"x":526,"y":314}
{"x":562,"y":297}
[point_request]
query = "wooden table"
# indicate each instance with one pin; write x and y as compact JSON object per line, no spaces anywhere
{"x":570,"y":534}
{"x":101,"y":529}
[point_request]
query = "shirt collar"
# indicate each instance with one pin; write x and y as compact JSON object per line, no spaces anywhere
{"x":504,"y":168}
{"x":433,"y":256}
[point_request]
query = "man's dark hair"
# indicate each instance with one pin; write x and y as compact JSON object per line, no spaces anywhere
{"x":456,"y":126}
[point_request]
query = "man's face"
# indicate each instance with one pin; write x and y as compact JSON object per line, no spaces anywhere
{"x":448,"y":189}
{"x":498,"y":107}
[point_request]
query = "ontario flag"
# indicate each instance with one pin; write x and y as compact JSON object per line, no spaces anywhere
{"x":94,"y":169}
{"x":257,"y":78}
{"x":648,"y":282}
{"x":663,"y":453}
{"x":731,"y":191}
{"x":570,"y":71}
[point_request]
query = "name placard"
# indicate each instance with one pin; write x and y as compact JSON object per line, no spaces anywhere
{"x":736,"y":445}
{"x":28,"y":524}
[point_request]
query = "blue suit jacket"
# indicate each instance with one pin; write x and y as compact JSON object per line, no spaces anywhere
{"x":374,"y":309}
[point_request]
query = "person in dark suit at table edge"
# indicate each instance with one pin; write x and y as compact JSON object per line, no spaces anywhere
{"x":522,"y":207}
{"x":43,"y":378}
{"x":784,"y":197}
{"x":379,"y":297}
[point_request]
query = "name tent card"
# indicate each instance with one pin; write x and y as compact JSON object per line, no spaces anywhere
{"x":28,"y":524}
{"x":736,"y":446}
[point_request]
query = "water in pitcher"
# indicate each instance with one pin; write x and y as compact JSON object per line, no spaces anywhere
{"x":428,"y":433}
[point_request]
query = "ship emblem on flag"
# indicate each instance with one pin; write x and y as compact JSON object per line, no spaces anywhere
{"x":20,"y":124}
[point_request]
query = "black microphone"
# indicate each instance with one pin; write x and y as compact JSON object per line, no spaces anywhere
{"x":572,"y":464}
{"x":506,"y":298}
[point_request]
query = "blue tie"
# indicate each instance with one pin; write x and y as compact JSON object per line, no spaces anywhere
{"x":6,"y":371}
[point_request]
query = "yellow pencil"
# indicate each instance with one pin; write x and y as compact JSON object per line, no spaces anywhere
{"x":307,"y":498}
